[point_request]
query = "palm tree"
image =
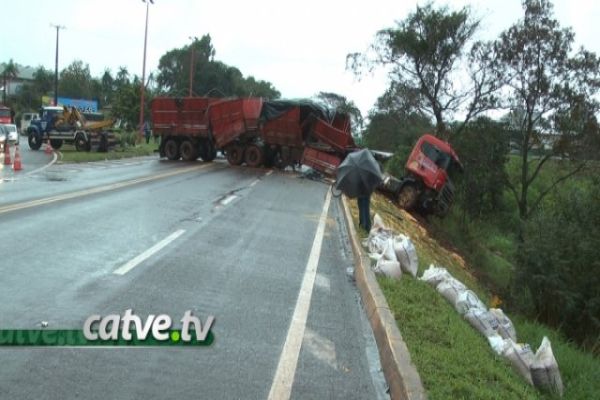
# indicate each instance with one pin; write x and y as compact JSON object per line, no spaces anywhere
{"x":11,"y":71}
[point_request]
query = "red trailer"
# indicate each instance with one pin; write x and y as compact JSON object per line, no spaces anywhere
{"x":183,"y":125}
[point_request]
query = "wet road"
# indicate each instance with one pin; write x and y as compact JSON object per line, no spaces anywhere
{"x":252,"y":247}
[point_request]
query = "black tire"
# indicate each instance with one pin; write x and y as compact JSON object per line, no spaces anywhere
{"x":235,"y":155}
{"x":35,"y":140}
{"x":188,"y":151}
{"x":56,"y":143}
{"x":81,"y":144}
{"x":207,"y":151}
{"x":254,"y":156}
{"x":172,"y":149}
{"x":408,"y":197}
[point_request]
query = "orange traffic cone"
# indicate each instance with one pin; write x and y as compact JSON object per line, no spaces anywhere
{"x":7,"y":160}
{"x":49,"y":149}
{"x":17,"y":165}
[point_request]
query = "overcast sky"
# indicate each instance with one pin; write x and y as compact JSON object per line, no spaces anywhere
{"x":299,"y":46}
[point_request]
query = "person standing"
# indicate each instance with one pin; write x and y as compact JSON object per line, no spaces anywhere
{"x":364,"y":212}
{"x":147,"y":131}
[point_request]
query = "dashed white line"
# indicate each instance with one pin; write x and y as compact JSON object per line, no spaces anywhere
{"x":125,"y":268}
{"x":255,"y":182}
{"x":281,"y":387}
{"x":269,"y":173}
{"x":228,"y":199}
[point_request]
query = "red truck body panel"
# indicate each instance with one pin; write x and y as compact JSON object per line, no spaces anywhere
{"x":340,"y":140}
{"x":320,"y":160}
{"x":229,"y":119}
{"x":284,"y":130}
{"x":181,"y":116}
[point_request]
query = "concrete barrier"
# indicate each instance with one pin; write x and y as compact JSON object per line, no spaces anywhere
{"x":400,"y":373}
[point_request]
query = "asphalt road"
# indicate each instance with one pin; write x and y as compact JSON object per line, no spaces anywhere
{"x":245,"y":240}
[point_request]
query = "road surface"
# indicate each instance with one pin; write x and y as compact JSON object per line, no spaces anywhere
{"x":265,"y":252}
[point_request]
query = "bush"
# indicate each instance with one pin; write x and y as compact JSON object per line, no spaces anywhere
{"x":559,"y":264}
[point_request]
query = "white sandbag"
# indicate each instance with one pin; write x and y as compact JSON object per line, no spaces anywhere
{"x":484,"y":322}
{"x":497,"y":343}
{"x":406,"y":253}
{"x":388,"y":251}
{"x":544,"y":370}
{"x":435,"y":275}
{"x":388,"y":268}
{"x":506,"y":329}
{"x":378,"y":223}
{"x":468,"y":300}
{"x":450,"y":289}
{"x":521,"y":358}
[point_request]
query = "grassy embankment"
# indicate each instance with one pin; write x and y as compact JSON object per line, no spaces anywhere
{"x":126,"y":148}
{"x":454,"y":360}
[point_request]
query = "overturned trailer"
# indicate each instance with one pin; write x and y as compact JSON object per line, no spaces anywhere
{"x":252,"y":131}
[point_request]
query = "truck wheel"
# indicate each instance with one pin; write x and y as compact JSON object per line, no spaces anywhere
{"x":172,"y":149}
{"x":235,"y":155}
{"x":407,"y":197}
{"x":35,"y":140}
{"x":81,"y":144}
{"x":188,"y":151}
{"x":254,"y":156}
{"x":56,"y":143}
{"x":207,"y":152}
{"x":103,"y":146}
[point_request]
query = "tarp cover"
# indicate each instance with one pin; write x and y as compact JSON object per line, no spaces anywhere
{"x":275,"y":108}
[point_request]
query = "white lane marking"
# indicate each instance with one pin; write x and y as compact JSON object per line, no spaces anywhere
{"x":228,"y":199}
{"x":134,"y":262}
{"x":54,"y":158}
{"x":269,"y":173}
{"x":254,"y":183}
{"x":281,"y":387}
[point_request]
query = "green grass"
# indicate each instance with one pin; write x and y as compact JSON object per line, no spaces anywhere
{"x":454,"y":360}
{"x":70,"y":155}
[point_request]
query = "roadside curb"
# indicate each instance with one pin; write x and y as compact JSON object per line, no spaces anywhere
{"x":399,"y":371}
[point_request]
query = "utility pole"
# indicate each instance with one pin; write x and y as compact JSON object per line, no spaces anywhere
{"x":192,"y":65}
{"x":58,"y":28}
{"x":143,"y":87}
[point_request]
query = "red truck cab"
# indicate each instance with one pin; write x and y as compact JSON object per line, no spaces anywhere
{"x":426,"y":185}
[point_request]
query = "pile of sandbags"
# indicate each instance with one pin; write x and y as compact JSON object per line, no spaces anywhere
{"x":392,"y":254}
{"x":539,"y":369}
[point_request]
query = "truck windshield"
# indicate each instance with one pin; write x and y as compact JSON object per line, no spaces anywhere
{"x":4,"y":112}
{"x":441,"y":159}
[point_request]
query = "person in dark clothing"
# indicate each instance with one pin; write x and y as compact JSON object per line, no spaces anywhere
{"x":364,"y":212}
{"x":147,"y":131}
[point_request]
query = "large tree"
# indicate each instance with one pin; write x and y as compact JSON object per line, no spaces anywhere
{"x":550,"y":90}
{"x":210,"y":77}
{"x":10,"y":72}
{"x":427,"y":54}
{"x":76,"y":81}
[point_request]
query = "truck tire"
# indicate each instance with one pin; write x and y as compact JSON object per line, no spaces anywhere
{"x":81,"y":143}
{"x":35,"y":140}
{"x":56,"y":143}
{"x":254,"y":156}
{"x":172,"y":149}
{"x":235,"y":154}
{"x":103,"y":146}
{"x":207,"y":151}
{"x":408,"y":196}
{"x":188,"y":151}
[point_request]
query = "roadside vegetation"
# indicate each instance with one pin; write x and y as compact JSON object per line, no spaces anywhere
{"x":126,"y":147}
{"x":453,"y":359}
